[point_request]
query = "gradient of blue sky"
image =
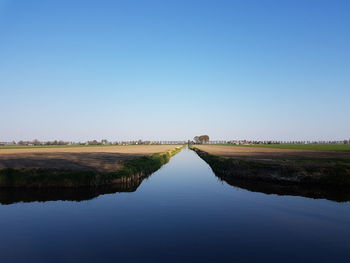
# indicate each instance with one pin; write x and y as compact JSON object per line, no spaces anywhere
{"x":79,"y":70}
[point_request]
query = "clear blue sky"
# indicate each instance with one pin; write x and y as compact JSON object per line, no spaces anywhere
{"x":80,"y":70}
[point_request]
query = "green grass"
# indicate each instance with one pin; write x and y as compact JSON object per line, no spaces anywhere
{"x":323,"y":147}
{"x":141,"y":166}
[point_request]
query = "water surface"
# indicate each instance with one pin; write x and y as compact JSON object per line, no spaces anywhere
{"x":183,"y":212}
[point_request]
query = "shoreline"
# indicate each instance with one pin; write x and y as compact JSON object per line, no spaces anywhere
{"x":283,"y":173}
{"x":133,"y":169}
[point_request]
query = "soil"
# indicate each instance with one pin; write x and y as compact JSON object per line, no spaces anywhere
{"x":272,"y":154}
{"x":104,"y":159}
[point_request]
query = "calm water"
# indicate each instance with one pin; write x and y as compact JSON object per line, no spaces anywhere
{"x":180,"y":213}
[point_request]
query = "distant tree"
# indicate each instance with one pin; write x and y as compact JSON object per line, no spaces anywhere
{"x":201,"y":139}
{"x":94,"y":142}
{"x":204,"y":138}
{"x":36,"y":142}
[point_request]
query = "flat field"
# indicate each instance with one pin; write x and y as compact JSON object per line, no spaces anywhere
{"x":96,"y":158}
{"x":273,"y":165}
{"x":275,"y":154}
{"x":319,"y":147}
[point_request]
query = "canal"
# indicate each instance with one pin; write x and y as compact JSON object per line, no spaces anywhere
{"x":181,"y":213}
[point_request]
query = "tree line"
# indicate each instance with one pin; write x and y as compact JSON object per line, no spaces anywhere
{"x":91,"y":142}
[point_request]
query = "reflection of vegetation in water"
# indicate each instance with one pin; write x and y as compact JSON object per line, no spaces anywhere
{"x":257,"y":177}
{"x":339,"y":194}
{"x":141,"y":166}
{"x":15,"y":195}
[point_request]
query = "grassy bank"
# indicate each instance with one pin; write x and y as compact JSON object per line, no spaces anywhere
{"x":137,"y":167}
{"x":312,"y":173}
{"x":320,"y":147}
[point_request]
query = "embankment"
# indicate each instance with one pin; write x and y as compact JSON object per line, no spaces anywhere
{"x":130,"y":170}
{"x":315,"y":181}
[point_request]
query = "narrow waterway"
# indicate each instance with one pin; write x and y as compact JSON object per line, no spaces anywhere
{"x":182,"y":213}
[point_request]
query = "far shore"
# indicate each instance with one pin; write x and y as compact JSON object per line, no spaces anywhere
{"x":295,"y":146}
{"x":81,"y":166}
{"x":289,"y":166}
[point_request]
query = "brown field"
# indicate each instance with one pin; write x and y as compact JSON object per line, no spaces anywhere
{"x":271,"y":154}
{"x":77,"y":158}
{"x":277,"y":166}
